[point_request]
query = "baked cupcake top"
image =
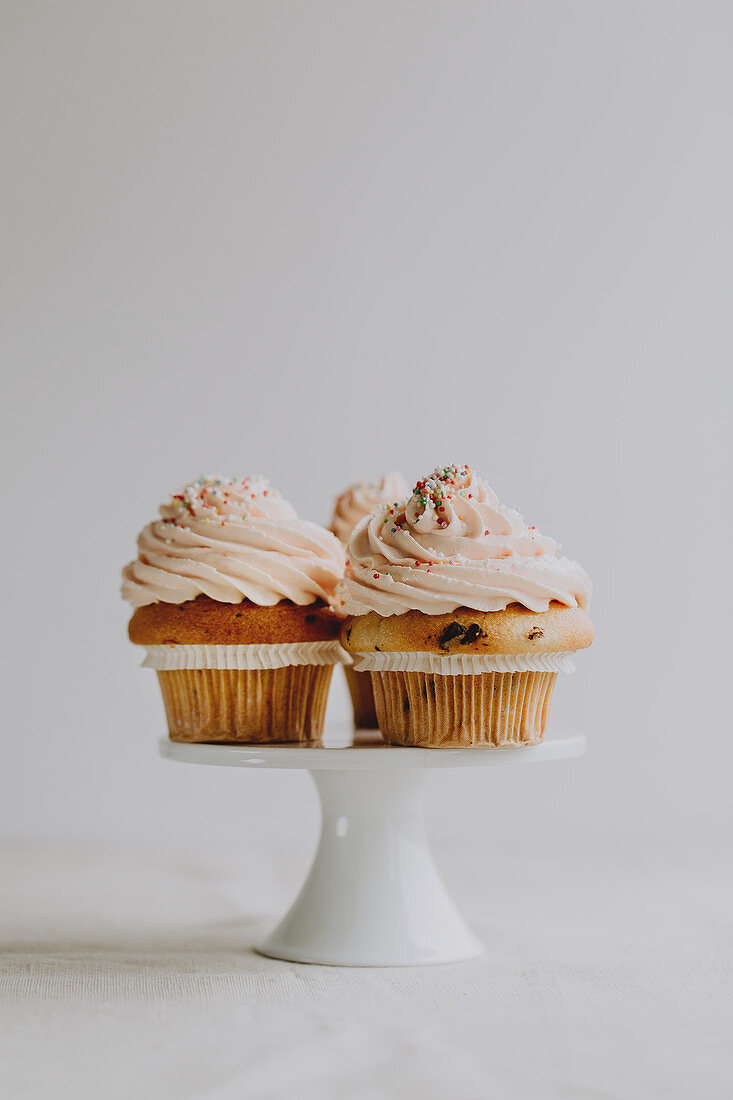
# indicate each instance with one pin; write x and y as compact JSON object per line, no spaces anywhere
{"x":232,"y":539}
{"x":451,"y":544}
{"x":361,"y":498}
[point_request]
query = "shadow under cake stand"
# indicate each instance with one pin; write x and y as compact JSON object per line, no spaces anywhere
{"x":373,"y":896}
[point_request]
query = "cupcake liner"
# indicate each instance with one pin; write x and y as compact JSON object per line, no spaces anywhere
{"x":280,"y":655}
{"x":362,"y":699}
{"x":249,"y":706}
{"x":434,"y":710}
{"x":469,"y":665}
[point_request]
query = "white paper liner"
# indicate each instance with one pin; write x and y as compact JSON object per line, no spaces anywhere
{"x":472,"y":665}
{"x":280,"y":655}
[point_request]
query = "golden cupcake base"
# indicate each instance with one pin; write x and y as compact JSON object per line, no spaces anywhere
{"x":246,"y":706}
{"x":362,"y":699}
{"x":427,"y":710}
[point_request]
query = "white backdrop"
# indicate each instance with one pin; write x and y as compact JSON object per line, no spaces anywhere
{"x":320,"y":241}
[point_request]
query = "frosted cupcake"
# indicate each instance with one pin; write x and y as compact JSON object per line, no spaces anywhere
{"x":356,"y":502}
{"x":231,"y":594}
{"x":361,"y":499}
{"x":462,"y":615}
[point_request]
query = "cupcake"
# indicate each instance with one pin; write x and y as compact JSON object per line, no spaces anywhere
{"x":360,"y":500}
{"x":231,"y":594}
{"x":356,"y":502}
{"x":462,"y":615}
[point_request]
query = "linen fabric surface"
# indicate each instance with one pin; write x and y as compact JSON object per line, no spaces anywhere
{"x":131,"y":973}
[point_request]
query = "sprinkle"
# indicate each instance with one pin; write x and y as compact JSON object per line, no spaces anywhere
{"x":376,"y":576}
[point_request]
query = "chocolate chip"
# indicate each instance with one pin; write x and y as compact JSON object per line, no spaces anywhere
{"x":310,"y":618}
{"x":453,"y":630}
{"x":535,"y":632}
{"x":377,"y":649}
{"x":474,"y":631}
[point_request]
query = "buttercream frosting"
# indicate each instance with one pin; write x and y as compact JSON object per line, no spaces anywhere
{"x":361,"y":498}
{"x":452,"y":544}
{"x":232,"y":539}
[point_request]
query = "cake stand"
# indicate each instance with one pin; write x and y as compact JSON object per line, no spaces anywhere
{"x":373,"y":896}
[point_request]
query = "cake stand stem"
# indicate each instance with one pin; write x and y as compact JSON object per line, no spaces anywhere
{"x":373,"y":896}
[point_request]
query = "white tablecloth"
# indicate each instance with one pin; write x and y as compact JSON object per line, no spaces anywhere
{"x":607,"y":974}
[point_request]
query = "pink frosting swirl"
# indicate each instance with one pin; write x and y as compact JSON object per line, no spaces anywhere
{"x":232,"y":539}
{"x":361,"y":498}
{"x":452,"y":544}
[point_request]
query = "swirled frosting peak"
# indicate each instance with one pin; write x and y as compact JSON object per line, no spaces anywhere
{"x":361,"y":498}
{"x":232,"y":539}
{"x":452,"y":544}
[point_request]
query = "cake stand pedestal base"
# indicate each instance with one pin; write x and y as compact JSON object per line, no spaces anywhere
{"x":373,"y":896}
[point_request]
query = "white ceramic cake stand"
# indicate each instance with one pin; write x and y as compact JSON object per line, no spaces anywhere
{"x":373,"y":896}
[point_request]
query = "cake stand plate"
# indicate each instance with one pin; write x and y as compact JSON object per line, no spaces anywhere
{"x":373,"y":896}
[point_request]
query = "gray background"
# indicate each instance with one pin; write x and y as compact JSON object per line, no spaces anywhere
{"x":323,"y":240}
